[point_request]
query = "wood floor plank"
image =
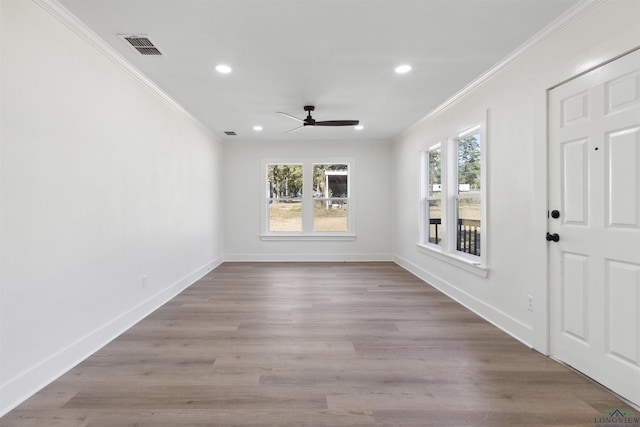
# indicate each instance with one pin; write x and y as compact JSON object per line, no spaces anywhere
{"x":317,"y":344}
{"x":185,"y":395}
{"x":231,"y":417}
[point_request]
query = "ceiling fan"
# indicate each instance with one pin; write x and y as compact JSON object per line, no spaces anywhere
{"x":310,"y":121}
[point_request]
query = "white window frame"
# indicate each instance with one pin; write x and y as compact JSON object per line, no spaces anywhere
{"x":447,"y":250}
{"x":426,"y":197}
{"x":456,"y":196}
{"x":308,"y":201}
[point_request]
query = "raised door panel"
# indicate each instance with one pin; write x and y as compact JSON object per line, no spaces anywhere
{"x":623,"y":198}
{"x":574,"y":176}
{"x":623,"y":92}
{"x":623,"y":295}
{"x":575,"y":109}
{"x":575,"y":296}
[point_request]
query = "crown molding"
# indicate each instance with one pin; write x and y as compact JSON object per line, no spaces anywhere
{"x":59,"y":12}
{"x":558,"y":25}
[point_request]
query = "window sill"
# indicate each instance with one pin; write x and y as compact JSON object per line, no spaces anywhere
{"x":471,"y":266}
{"x":307,"y":237}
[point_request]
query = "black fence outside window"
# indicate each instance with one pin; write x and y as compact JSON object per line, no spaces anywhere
{"x":467,"y":234}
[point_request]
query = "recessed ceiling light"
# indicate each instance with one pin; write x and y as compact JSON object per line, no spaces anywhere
{"x":359,"y":127}
{"x":223,"y":69}
{"x":401,"y":69}
{"x":257,"y":128}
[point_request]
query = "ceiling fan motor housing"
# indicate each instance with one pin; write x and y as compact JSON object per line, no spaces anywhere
{"x":309,"y":121}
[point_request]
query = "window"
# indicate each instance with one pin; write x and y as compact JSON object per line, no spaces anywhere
{"x":468,"y":200}
{"x":331,"y":197}
{"x":284,"y":191}
{"x":307,"y":199}
{"x":433,"y":206}
{"x":452,"y":207}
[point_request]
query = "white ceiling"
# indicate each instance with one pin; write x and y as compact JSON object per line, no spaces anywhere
{"x":338,"y":55}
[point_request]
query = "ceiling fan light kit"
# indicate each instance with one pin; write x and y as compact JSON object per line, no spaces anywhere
{"x":310,"y":121}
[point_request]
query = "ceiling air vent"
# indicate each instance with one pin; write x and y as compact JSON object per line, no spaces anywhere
{"x":230,"y":133}
{"x":143,"y":45}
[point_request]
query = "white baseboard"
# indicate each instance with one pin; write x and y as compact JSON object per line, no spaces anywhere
{"x":25,"y":385}
{"x":502,"y":321}
{"x":337,"y":257}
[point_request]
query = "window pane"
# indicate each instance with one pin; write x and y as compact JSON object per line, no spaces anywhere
{"x":330,"y":181}
{"x":469,"y":163}
{"x":285,"y":181}
{"x":285,"y":215}
{"x":468,"y":231}
{"x":330,"y":215}
{"x":285,"y":197}
{"x":435,"y":222}
{"x":435,"y":178}
{"x":331,"y":191}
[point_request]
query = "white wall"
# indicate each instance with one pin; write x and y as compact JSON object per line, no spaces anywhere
{"x":102,"y":182}
{"x":370,"y":191}
{"x":517,"y":170}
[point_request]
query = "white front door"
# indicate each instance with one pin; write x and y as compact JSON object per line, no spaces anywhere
{"x":594,"y":185}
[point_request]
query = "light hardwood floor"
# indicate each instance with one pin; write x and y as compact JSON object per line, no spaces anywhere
{"x":326,"y":344}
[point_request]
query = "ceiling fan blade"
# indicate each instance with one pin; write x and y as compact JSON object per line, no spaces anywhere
{"x":294,"y":129}
{"x":290,"y":116}
{"x":338,"y":123}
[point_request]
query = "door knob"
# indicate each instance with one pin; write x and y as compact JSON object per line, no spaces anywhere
{"x":555,"y":214}
{"x":553,"y":237}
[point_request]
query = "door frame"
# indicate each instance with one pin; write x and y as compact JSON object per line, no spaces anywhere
{"x":575,"y":66}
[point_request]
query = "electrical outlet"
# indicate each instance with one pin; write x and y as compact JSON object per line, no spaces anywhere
{"x":530,"y":302}
{"x":144,"y":281}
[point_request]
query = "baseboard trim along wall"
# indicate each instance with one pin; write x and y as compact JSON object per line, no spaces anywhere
{"x":334,"y":257}
{"x":25,"y":385}
{"x":500,"y":320}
